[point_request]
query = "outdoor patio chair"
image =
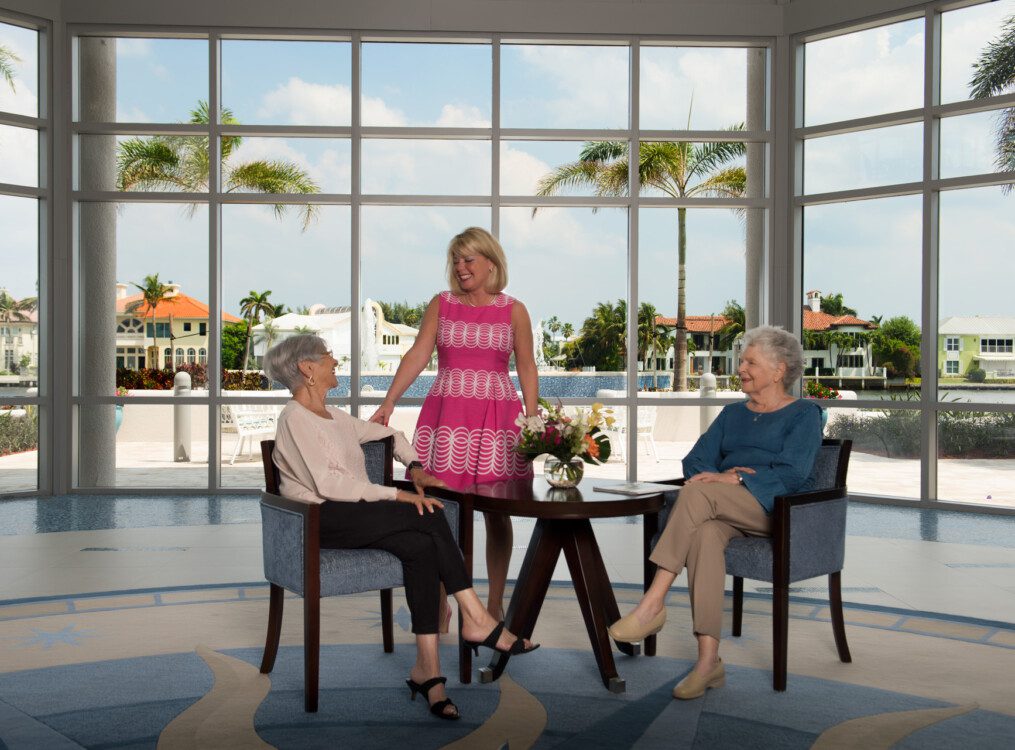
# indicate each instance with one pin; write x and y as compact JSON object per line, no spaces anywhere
{"x":294,"y":561}
{"x":808,"y":540}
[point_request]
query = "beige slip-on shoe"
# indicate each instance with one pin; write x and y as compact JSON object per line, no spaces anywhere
{"x":695,"y":685}
{"x":628,"y":630}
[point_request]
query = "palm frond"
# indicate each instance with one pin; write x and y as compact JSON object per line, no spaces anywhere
{"x":994,"y":71}
{"x":274,"y":177}
{"x":148,"y":164}
{"x":7,"y":60}
{"x":726,"y":183}
{"x":603,"y":151}
{"x":708,"y":157}
{"x":663,"y":165}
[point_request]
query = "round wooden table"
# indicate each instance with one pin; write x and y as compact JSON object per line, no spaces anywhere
{"x":563,"y":524}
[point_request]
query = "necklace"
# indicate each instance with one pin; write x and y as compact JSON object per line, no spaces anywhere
{"x":470,"y":303}
{"x":759,"y":414}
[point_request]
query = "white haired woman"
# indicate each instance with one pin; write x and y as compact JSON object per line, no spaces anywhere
{"x":319,"y":460}
{"x":755,"y":450}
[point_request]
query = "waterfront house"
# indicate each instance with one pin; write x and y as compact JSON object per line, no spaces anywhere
{"x":178,"y":326}
{"x":966,"y":343}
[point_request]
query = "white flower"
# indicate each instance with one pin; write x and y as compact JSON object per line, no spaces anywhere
{"x":534,"y":424}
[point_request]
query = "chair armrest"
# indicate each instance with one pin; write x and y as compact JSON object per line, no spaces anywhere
{"x":814,"y":496}
{"x":291,"y":542}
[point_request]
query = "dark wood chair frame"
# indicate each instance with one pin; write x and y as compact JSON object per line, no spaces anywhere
{"x":311,"y":513}
{"x":780,"y":573}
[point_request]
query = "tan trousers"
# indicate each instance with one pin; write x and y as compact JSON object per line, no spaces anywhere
{"x":704,"y":520}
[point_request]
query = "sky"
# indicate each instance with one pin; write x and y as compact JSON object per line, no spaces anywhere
{"x":562,"y":261}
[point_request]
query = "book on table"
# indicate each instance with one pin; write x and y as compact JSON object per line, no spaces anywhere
{"x":635,"y":488}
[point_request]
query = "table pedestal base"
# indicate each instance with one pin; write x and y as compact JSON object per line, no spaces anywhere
{"x":573,"y":537}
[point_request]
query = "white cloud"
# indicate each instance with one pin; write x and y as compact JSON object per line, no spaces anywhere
{"x":577,"y":87}
{"x":709,"y":84}
{"x":520,"y":171}
{"x":19,"y":156}
{"x":19,"y":258}
{"x":128,"y":48}
{"x":131,"y":113}
{"x":461,"y":116}
{"x":865,"y":73}
{"x":298,"y":102}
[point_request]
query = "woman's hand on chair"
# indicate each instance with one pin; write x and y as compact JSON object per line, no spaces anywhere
{"x":422,"y":480}
{"x":419,"y":500}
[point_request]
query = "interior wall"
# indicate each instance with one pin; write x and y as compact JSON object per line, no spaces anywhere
{"x":48,"y":9}
{"x":727,"y":17}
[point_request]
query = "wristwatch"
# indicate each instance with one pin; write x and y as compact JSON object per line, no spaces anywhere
{"x":413,"y":465}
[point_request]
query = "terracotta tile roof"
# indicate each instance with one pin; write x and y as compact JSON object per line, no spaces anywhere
{"x":813,"y":321}
{"x":696,"y":323}
{"x":179,"y":306}
{"x":822,"y":321}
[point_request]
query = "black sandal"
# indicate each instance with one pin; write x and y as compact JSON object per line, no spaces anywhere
{"x":518,"y":647}
{"x":437,"y":709}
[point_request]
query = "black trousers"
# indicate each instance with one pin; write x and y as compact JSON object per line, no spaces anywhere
{"x":423,"y":543}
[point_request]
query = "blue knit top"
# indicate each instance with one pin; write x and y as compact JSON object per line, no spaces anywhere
{"x":780,"y":446}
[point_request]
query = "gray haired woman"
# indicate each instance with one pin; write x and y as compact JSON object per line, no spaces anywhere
{"x":754,"y":450}
{"x":319,"y":459}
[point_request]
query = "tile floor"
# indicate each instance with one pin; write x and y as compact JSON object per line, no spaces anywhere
{"x":923,"y":560}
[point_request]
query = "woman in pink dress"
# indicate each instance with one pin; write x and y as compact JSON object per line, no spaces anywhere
{"x":466,"y":431}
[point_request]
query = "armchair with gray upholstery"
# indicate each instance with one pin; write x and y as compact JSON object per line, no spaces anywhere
{"x":294,"y":561}
{"x":808,"y":540}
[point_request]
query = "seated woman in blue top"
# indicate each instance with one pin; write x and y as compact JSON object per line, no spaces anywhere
{"x":754,"y":450}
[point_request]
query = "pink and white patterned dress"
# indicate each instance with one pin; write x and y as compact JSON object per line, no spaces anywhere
{"x":466,"y":431}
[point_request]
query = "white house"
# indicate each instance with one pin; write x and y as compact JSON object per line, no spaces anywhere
{"x":382,"y":344}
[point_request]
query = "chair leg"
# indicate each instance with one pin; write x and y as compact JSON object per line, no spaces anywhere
{"x":276,"y":598}
{"x":780,"y":635}
{"x":738,"y":605}
{"x":387,"y":629}
{"x":838,"y":624}
{"x":311,"y":651}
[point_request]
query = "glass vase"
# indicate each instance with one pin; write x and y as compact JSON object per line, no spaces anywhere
{"x":563,"y":473}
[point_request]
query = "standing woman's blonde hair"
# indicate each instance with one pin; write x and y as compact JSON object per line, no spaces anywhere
{"x":477,"y":241}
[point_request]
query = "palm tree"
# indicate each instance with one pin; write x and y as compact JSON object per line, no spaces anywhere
{"x":153,"y":292}
{"x":678,"y":169}
{"x":567,"y":330}
{"x":252,"y":307}
{"x":15,"y":311}
{"x":304,"y":330}
{"x":735,"y":324}
{"x":653,"y":338}
{"x":7,"y":60}
{"x":178,"y":162}
{"x":994,"y":75}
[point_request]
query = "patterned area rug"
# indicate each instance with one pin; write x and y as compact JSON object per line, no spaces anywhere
{"x":178,"y":669}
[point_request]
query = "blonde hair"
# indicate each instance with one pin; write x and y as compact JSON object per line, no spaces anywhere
{"x":475,"y":240}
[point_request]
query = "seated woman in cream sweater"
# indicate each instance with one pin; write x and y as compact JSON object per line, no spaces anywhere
{"x":319,"y":460}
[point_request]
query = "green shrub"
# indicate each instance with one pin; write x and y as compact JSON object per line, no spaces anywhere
{"x":895,"y":433}
{"x":976,"y":375}
{"x":18,"y":435}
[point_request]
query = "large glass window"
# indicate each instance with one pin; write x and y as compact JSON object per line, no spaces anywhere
{"x":23,"y":208}
{"x":263,"y":244}
{"x":868,"y":264}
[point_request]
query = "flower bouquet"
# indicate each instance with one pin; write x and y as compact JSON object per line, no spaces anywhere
{"x":570,"y":440}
